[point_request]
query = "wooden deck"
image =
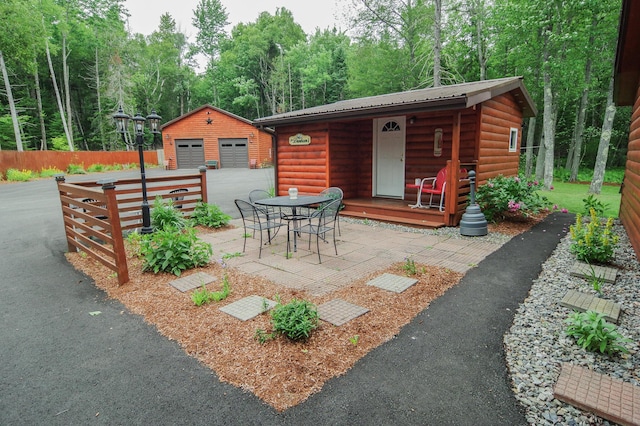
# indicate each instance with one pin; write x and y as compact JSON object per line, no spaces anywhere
{"x":395,"y":211}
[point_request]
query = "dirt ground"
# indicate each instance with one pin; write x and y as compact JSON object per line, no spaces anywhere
{"x":280,"y":372}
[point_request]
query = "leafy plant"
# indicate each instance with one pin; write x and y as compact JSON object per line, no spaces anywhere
{"x":49,"y":172}
{"x":262,"y":336}
{"x":296,"y":320}
{"x":515,"y":195}
{"x":95,"y":168}
{"x":595,"y":280}
{"x":231,"y":255}
{"x":591,"y":202}
{"x":165,"y":216}
{"x":76,"y":169}
{"x":354,"y":340}
{"x":409,"y":266}
{"x":209,"y":215}
{"x":174,"y":251}
{"x":202,"y":295}
{"x":15,"y":175}
{"x":593,"y":242}
{"x":594,"y":333}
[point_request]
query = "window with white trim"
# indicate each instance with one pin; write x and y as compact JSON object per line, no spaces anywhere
{"x":513,"y":139}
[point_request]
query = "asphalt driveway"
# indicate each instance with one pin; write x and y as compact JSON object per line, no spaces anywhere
{"x":63,"y":365}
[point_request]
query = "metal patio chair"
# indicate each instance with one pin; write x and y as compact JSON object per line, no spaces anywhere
{"x":258,"y":219}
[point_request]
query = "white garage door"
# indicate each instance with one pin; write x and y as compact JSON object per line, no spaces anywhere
{"x":234,"y":153}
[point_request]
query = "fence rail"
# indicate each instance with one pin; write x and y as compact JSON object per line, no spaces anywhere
{"x":95,"y":214}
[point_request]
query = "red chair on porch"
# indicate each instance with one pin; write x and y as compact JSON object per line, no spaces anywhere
{"x":436,"y":186}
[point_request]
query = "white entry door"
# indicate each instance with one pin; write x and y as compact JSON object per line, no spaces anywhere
{"x":388,"y":146}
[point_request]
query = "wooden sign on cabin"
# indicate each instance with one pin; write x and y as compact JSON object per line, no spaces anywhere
{"x":300,"y":139}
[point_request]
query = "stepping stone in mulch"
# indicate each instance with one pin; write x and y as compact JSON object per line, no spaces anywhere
{"x":392,"y":282}
{"x":338,"y":311}
{"x":192,"y":281}
{"x":582,"y":302}
{"x":248,"y":307}
{"x":583,"y":270}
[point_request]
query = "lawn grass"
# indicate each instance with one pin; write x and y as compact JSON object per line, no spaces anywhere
{"x":570,"y":195}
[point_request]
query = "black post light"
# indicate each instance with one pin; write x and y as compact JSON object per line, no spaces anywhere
{"x":122,"y":123}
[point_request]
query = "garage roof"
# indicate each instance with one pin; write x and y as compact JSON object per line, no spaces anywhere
{"x":457,"y":96}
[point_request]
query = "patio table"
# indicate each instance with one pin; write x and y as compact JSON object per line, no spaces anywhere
{"x":293,"y":204}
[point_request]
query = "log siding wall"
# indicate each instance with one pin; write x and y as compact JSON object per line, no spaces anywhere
{"x":498,"y":116}
{"x":303,"y":166}
{"x":630,"y":202}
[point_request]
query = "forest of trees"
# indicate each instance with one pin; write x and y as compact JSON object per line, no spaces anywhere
{"x":67,"y":65}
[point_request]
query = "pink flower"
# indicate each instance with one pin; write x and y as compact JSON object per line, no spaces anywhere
{"x":565,"y":211}
{"x":517,"y":179}
{"x":555,"y":207}
{"x":551,"y":187}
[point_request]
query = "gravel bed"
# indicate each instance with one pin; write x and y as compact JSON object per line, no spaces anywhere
{"x":536,"y":344}
{"x":447,"y":231}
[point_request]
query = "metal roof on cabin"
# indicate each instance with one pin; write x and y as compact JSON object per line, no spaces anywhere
{"x":455,"y":96}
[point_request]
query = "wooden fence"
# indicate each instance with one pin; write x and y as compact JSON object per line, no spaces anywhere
{"x":38,"y":160}
{"x":95,"y":214}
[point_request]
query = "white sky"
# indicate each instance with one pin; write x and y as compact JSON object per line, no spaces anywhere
{"x":145,"y":14}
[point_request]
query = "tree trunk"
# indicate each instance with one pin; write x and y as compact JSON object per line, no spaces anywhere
{"x":99,"y":101}
{"x":43,"y":129}
{"x":12,"y":105}
{"x":548,"y":124}
{"x":603,"y":146}
{"x":67,"y":92}
{"x":58,"y":99}
{"x":437,"y":43}
{"x":531,"y":132}
{"x":540,"y":160}
{"x":582,"y":111}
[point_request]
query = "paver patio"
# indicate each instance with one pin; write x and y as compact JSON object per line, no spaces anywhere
{"x":362,"y":249}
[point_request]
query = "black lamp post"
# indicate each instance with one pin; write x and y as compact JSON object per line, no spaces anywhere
{"x":122,"y":124}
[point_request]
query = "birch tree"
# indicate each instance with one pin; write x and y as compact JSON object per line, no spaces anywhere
{"x":603,"y":146}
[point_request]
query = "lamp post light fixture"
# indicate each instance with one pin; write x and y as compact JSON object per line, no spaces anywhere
{"x":122,"y":124}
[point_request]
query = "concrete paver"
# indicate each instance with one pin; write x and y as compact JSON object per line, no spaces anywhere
{"x":339,"y":312}
{"x":248,"y":307}
{"x":584,"y":270}
{"x":583,"y":302}
{"x":607,"y":397}
{"x":192,"y":281}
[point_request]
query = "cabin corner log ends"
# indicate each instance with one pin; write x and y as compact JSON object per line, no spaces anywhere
{"x":95,"y":214}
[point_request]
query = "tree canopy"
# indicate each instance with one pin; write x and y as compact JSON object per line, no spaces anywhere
{"x":564,"y":50}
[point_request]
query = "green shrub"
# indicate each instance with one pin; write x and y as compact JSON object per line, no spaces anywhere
{"x":593,"y":242}
{"x":49,"y":172}
{"x":209,"y":215}
{"x":202,"y":295}
{"x":15,"y":175}
{"x":76,"y":169}
{"x":174,"y":251}
{"x":502,"y":195}
{"x":594,"y":333}
{"x":96,"y":168}
{"x":591,"y":202}
{"x":296,"y":320}
{"x":165,"y":216}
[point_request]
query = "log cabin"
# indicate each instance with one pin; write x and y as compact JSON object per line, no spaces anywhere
{"x":377,"y":148}
{"x":210,"y":135}
{"x":627,"y":92}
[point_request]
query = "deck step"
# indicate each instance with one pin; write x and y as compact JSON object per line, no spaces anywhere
{"x":393,"y":219}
